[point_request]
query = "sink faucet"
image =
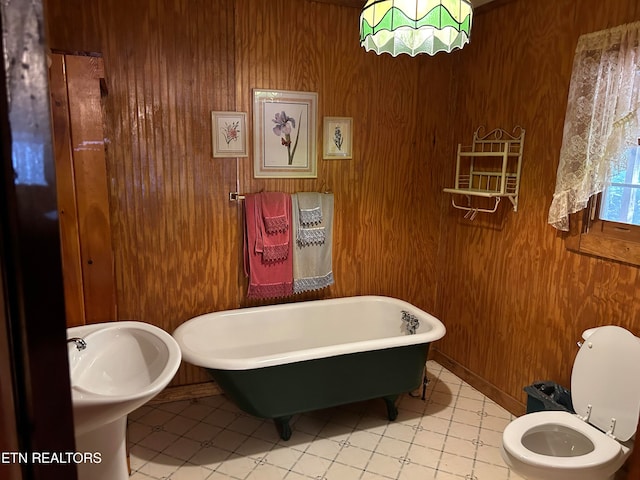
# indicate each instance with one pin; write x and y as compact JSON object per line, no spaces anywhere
{"x":80,"y":343}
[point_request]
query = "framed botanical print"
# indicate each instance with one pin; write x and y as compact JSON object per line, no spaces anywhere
{"x":337,"y":138}
{"x":229,"y":134}
{"x":284,"y":134}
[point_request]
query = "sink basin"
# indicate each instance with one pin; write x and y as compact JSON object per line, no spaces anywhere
{"x":124,"y":365}
{"x":128,"y":360}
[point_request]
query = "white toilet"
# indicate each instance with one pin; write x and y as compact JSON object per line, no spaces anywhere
{"x":594,"y":443}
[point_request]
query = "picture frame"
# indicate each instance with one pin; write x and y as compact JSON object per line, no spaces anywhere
{"x":337,"y":138}
{"x":284,"y":130}
{"x":229,"y":134}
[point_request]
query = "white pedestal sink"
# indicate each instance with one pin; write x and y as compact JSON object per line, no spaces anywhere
{"x":123,"y":366}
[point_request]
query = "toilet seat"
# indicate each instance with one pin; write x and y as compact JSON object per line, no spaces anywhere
{"x":605,"y":448}
{"x":604,"y":381}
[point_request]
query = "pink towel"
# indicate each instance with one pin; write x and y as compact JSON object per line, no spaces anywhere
{"x":274,"y":211}
{"x":274,"y":243}
{"x":268,"y":278}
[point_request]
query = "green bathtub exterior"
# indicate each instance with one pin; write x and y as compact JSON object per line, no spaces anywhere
{"x":280,"y":391}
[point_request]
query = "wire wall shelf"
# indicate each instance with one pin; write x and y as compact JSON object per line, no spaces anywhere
{"x":488,"y":168}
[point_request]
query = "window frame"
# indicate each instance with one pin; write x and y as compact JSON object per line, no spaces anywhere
{"x":590,"y":235}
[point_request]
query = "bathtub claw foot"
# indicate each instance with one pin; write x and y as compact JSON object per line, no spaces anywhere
{"x":392,"y":410}
{"x":283,"y":427}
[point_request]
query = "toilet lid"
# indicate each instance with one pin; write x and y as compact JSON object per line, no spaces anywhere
{"x":606,"y":375}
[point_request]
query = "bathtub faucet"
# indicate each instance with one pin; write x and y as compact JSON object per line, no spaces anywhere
{"x":80,"y":343}
{"x":412,"y":322}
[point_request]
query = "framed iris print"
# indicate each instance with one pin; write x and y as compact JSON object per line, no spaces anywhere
{"x":284,"y":134}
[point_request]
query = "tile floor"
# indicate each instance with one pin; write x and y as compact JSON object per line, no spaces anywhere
{"x":453,"y":435}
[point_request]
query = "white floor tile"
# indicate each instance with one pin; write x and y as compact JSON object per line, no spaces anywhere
{"x":267,"y":472}
{"x":311,"y":465}
{"x":459,"y":446}
{"x":202,"y":432}
{"x":495,"y":410}
{"x":364,"y":439}
{"x":490,"y":437}
{"x":415,"y":471}
{"x":436,"y":424}
{"x":427,"y":438}
{"x":283,"y":457}
{"x":490,"y":455}
{"x":210,"y":457}
{"x":183,"y":448}
{"x":237,"y":466}
{"x":139,"y":456}
{"x":137,"y":431}
{"x":354,"y":456}
{"x":162,"y":466}
{"x":462,"y":430}
{"x":470,"y":418}
{"x":383,"y":465}
{"x":336,"y":431}
{"x":392,"y":447}
{"x":454,"y":435}
{"x":424,"y":456}
{"x":495,"y":423}
{"x":339,"y":471}
{"x":191,"y":472}
{"x":452,"y":463}
{"x":179,"y":425}
{"x":158,"y":441}
{"x":400,"y":431}
{"x":228,"y":440}
{"x":140,"y":476}
{"x":485,"y":471}
{"x":325,"y":448}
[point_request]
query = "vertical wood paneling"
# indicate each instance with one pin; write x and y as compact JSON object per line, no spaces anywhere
{"x":514,"y":299}
{"x":176,"y":236}
{"x":178,"y":254}
{"x":168,"y":64}
{"x":314,"y":48}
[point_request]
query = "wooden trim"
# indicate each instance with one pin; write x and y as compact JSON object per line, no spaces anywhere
{"x":8,"y":426}
{"x":501,"y":398}
{"x":187,"y":392}
{"x":82,"y":188}
{"x":91,"y":186}
{"x":66,"y":193}
{"x":596,"y":243}
{"x":603,"y":239}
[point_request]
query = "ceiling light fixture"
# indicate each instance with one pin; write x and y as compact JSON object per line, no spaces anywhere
{"x":415,"y":26}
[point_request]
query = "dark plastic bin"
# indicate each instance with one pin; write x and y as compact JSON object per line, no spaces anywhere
{"x":548,"y":396}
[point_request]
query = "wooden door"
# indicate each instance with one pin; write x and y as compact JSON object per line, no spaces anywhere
{"x":82,"y":188}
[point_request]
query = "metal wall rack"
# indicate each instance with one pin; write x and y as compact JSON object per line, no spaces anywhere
{"x":489,"y":168}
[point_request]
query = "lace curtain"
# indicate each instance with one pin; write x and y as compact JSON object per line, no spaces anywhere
{"x":602,"y":119}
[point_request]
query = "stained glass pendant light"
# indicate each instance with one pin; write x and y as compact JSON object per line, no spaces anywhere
{"x":415,"y":26}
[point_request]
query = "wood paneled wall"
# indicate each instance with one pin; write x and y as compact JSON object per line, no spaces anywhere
{"x":514,"y":300}
{"x":176,"y":237}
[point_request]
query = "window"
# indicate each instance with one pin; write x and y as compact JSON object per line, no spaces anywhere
{"x":621,"y":200}
{"x":597,"y":195}
{"x":610,"y":226}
